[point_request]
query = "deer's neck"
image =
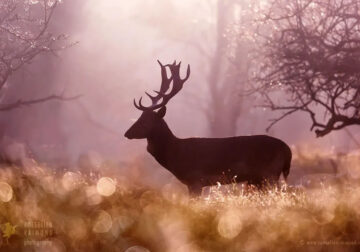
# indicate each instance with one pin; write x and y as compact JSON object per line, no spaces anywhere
{"x":160,"y":143}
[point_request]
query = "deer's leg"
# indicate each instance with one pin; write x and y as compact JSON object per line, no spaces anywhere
{"x":258,"y":183}
{"x":274,"y":182}
{"x":195,"y":190}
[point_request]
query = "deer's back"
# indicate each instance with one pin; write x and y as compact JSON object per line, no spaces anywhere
{"x":230,"y":148}
{"x":243,"y":155}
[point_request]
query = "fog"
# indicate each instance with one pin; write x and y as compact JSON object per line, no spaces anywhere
{"x":114,"y":62}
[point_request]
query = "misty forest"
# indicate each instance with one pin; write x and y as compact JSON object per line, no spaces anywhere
{"x":179,"y":125}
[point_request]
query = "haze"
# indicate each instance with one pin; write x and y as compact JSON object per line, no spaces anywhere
{"x":114,"y":62}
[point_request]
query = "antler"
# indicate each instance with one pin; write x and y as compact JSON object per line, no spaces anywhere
{"x":165,"y":85}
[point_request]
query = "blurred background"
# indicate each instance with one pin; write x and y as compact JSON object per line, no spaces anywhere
{"x":114,"y":61}
{"x":66,"y":162}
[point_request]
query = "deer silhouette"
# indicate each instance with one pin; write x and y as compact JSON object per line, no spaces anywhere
{"x":198,"y":162}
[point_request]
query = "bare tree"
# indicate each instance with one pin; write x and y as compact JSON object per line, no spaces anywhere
{"x":310,"y":50}
{"x":24,"y":35}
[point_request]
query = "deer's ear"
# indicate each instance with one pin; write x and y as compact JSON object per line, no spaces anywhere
{"x":161,"y":113}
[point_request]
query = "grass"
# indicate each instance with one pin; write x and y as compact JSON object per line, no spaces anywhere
{"x":69,"y":211}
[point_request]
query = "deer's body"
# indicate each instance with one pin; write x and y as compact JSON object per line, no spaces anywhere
{"x":199,"y":162}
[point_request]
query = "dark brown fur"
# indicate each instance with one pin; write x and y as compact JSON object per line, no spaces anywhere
{"x":199,"y":162}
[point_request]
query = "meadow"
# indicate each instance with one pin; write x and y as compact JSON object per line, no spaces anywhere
{"x":44,"y":210}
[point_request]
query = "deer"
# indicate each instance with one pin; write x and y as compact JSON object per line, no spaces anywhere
{"x":200,"y":162}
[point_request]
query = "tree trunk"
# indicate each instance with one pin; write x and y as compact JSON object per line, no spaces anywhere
{"x":224,"y":104}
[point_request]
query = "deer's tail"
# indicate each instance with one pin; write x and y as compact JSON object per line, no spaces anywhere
{"x":287,"y":163}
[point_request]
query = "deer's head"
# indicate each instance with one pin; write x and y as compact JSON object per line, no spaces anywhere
{"x":151,"y":118}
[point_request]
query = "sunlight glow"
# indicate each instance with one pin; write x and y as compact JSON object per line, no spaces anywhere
{"x":106,"y":186}
{"x":103,"y":222}
{"x":92,"y":195}
{"x":230,"y":224}
{"x":6,"y":192}
{"x":71,"y":181}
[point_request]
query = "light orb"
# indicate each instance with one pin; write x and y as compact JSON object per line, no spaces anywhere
{"x":106,"y":186}
{"x":6,"y":192}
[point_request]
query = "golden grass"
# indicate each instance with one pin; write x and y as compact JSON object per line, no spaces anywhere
{"x":93,"y":213}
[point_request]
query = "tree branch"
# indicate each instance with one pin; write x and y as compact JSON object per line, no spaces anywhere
{"x":311,"y":56}
{"x":21,"y":103}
